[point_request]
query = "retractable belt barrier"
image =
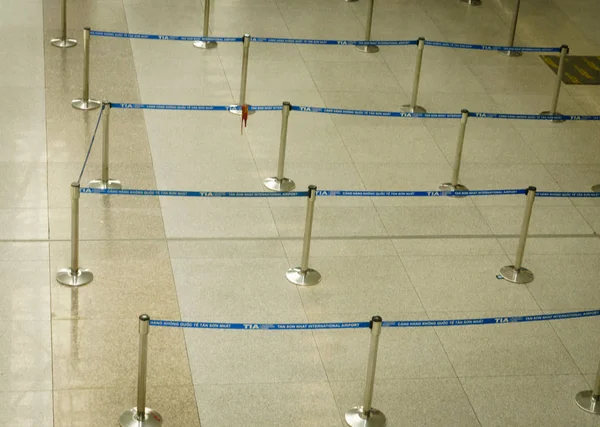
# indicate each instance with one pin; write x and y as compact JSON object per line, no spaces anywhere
{"x":385,"y":324}
{"x":350,"y":112}
{"x":285,"y":40}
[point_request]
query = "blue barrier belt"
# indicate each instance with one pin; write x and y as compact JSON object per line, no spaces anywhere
{"x":162,"y":37}
{"x":324,"y":193}
{"x":387,"y":324}
{"x":490,"y":47}
{"x":572,"y":194}
{"x":306,"y":109}
{"x":479,"y":115}
{"x":178,"y":107}
{"x":333,"y":42}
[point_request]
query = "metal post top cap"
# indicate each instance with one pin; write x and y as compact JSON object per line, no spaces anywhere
{"x":564,"y":46}
{"x":421,"y":39}
{"x":144,"y":318}
{"x":464,"y":111}
{"x":75,"y":184}
{"x":531,"y":188}
{"x":312,"y":188}
{"x":87,"y":28}
{"x":287,"y":103}
{"x":376,"y":319}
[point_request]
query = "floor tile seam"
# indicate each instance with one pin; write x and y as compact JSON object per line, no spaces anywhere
{"x":564,"y":345}
{"x":468,"y":377}
{"x":323,"y":238}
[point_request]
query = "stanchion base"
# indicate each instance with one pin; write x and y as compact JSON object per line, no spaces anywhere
{"x":585,"y":400}
{"x":596,"y":188}
{"x":237,"y":110}
{"x":130,"y":419}
{"x":201,"y":44}
{"x":277,"y":184}
{"x":90,"y":104}
{"x":69,"y":277}
{"x":111,"y":184}
{"x":447,"y":186}
{"x":511,"y":53}
{"x":409,"y":109}
{"x":472,"y":2}
{"x":550,"y":113}
{"x":309,"y":277}
{"x":356,"y":417}
{"x":63,"y":43}
{"x":371,"y":48}
{"x":511,"y":274}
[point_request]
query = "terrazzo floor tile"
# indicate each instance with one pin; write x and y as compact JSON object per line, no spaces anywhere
{"x":407,"y":402}
{"x":231,"y":405}
{"x":27,"y":408}
{"x":528,"y":401}
{"x":580,"y":340}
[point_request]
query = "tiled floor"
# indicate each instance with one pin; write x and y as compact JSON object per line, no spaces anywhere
{"x":69,"y":357}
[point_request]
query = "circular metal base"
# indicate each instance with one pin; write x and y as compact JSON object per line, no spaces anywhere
{"x":356,"y":417}
{"x":447,"y":186}
{"x":200,"y":44}
{"x":511,"y":274}
{"x":585,"y":400}
{"x":111,"y":184}
{"x":472,"y":2}
{"x":63,"y":43}
{"x":277,"y":184}
{"x":367,"y":48}
{"x":130,"y":419}
{"x":550,"y":113}
{"x":309,"y":277}
{"x":511,"y":53}
{"x":90,"y":104}
{"x":596,"y":188}
{"x":68,"y":277}
{"x":237,"y":110}
{"x":409,"y":109}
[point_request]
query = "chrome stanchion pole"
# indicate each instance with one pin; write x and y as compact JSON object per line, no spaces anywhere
{"x":413,"y":107}
{"x":279,"y":183}
{"x":454,"y":185}
{"x":85,"y":102}
{"x":517,"y":273}
{"x":201,"y":44}
{"x":237,"y":109}
{"x":564,"y":51}
{"x":105,"y":182}
{"x":303,"y":275}
{"x":74,"y":275}
{"x":63,"y":41}
{"x":370,"y":48}
{"x":366,"y":415}
{"x":513,"y":30}
{"x":140,"y":416}
{"x":588,"y":400}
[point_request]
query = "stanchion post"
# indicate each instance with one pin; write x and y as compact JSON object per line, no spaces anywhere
{"x":85,"y":102}
{"x":517,"y":273}
{"x":303,"y":275}
{"x":237,"y":109}
{"x":279,"y":182}
{"x":105,"y":182}
{"x":140,"y":416}
{"x":564,"y":51}
{"x":413,"y":107}
{"x":472,"y":2}
{"x":366,"y":415}
{"x":454,"y":185}
{"x":63,"y":41}
{"x":513,"y":31}
{"x":589,"y":400}
{"x":201,"y":44}
{"x":74,"y":275}
{"x":368,"y":48}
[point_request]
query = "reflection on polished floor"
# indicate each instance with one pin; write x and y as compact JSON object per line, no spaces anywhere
{"x":69,"y":357}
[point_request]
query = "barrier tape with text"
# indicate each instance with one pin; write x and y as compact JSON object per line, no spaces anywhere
{"x":387,"y":324}
{"x":349,"y":112}
{"x":285,"y":40}
{"x":321,"y":193}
